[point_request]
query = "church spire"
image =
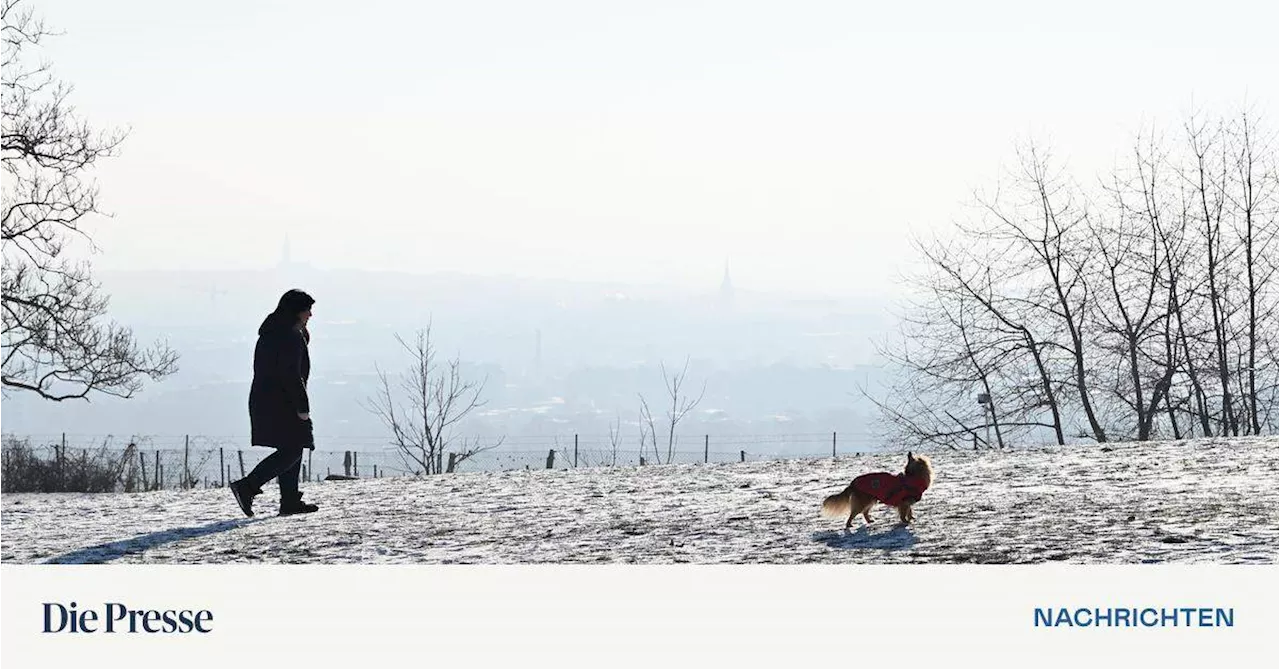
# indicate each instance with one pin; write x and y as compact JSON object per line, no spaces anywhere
{"x":726,"y":286}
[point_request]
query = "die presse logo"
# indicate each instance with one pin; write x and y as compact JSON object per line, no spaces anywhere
{"x":116,"y":618}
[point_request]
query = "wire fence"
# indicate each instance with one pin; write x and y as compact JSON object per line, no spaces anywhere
{"x":103,"y":463}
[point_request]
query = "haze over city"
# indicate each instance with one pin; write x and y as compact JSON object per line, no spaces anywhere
{"x":573,"y":194}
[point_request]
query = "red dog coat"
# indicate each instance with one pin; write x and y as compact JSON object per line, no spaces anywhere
{"x":891,"y":489}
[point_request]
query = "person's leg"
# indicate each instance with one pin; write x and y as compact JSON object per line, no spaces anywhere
{"x":290,"y":497}
{"x":275,"y":465}
{"x":272,"y":466}
{"x":288,"y":480}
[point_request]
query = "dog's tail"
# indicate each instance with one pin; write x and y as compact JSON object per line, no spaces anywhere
{"x":839,"y":504}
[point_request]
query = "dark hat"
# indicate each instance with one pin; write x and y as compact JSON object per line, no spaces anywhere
{"x":295,"y":302}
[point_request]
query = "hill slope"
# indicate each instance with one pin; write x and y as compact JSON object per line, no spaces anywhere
{"x":1211,"y":500}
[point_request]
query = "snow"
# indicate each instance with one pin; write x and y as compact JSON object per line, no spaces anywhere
{"x":1210,"y":500}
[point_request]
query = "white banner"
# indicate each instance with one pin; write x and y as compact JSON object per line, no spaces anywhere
{"x":335,"y":616}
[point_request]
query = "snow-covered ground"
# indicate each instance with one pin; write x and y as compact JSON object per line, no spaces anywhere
{"x":1210,"y":500}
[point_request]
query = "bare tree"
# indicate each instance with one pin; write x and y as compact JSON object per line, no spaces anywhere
{"x":1148,"y":311}
{"x":1207,"y":176}
{"x":959,"y":338}
{"x":1042,"y":230}
{"x":1251,"y":192}
{"x":1181,"y":335}
{"x":55,"y":343}
{"x":615,"y":438}
{"x":681,"y":405}
{"x":1133,"y":316}
{"x":648,"y":429}
{"x":426,"y":407}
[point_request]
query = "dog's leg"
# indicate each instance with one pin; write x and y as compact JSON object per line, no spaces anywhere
{"x":904,"y":513}
{"x":866,"y":512}
{"x":853,"y":513}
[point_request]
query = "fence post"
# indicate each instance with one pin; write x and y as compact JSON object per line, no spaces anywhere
{"x":159,"y":472}
{"x":742,"y":456}
{"x":706,"y":448}
{"x":355,"y":463}
{"x":131,"y":480}
{"x":62,"y":462}
{"x":575,"y":451}
{"x":642,"y":461}
{"x":304,"y":473}
{"x":186,"y":458}
{"x":346,"y":463}
{"x":551,"y":459}
{"x":228,"y":472}
{"x":439,"y":462}
{"x":142,"y":459}
{"x":833,"y":444}
{"x":453,"y":461}
{"x":222,"y":467}
{"x":310,"y":468}
{"x":240,"y":454}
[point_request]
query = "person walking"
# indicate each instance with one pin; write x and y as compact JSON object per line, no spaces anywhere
{"x":279,"y":411}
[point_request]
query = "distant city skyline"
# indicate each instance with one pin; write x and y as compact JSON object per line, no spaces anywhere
{"x":560,"y":356}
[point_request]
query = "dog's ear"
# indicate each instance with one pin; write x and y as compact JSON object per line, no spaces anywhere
{"x":910,"y":457}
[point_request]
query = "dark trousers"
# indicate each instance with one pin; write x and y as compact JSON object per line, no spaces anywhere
{"x":284,"y":465}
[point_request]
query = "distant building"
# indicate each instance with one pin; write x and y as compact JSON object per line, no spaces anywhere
{"x":286,"y":265}
{"x":726,"y":287}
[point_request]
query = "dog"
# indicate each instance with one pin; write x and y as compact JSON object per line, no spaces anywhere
{"x":900,"y":491}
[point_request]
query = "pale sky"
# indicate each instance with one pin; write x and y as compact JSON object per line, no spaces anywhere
{"x":637,"y":142}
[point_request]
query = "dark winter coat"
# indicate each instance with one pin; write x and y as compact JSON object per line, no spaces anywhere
{"x":891,"y":489}
{"x":281,"y":366}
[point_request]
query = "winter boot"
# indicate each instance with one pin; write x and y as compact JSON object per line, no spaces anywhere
{"x":289,"y":507}
{"x":244,"y":494}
